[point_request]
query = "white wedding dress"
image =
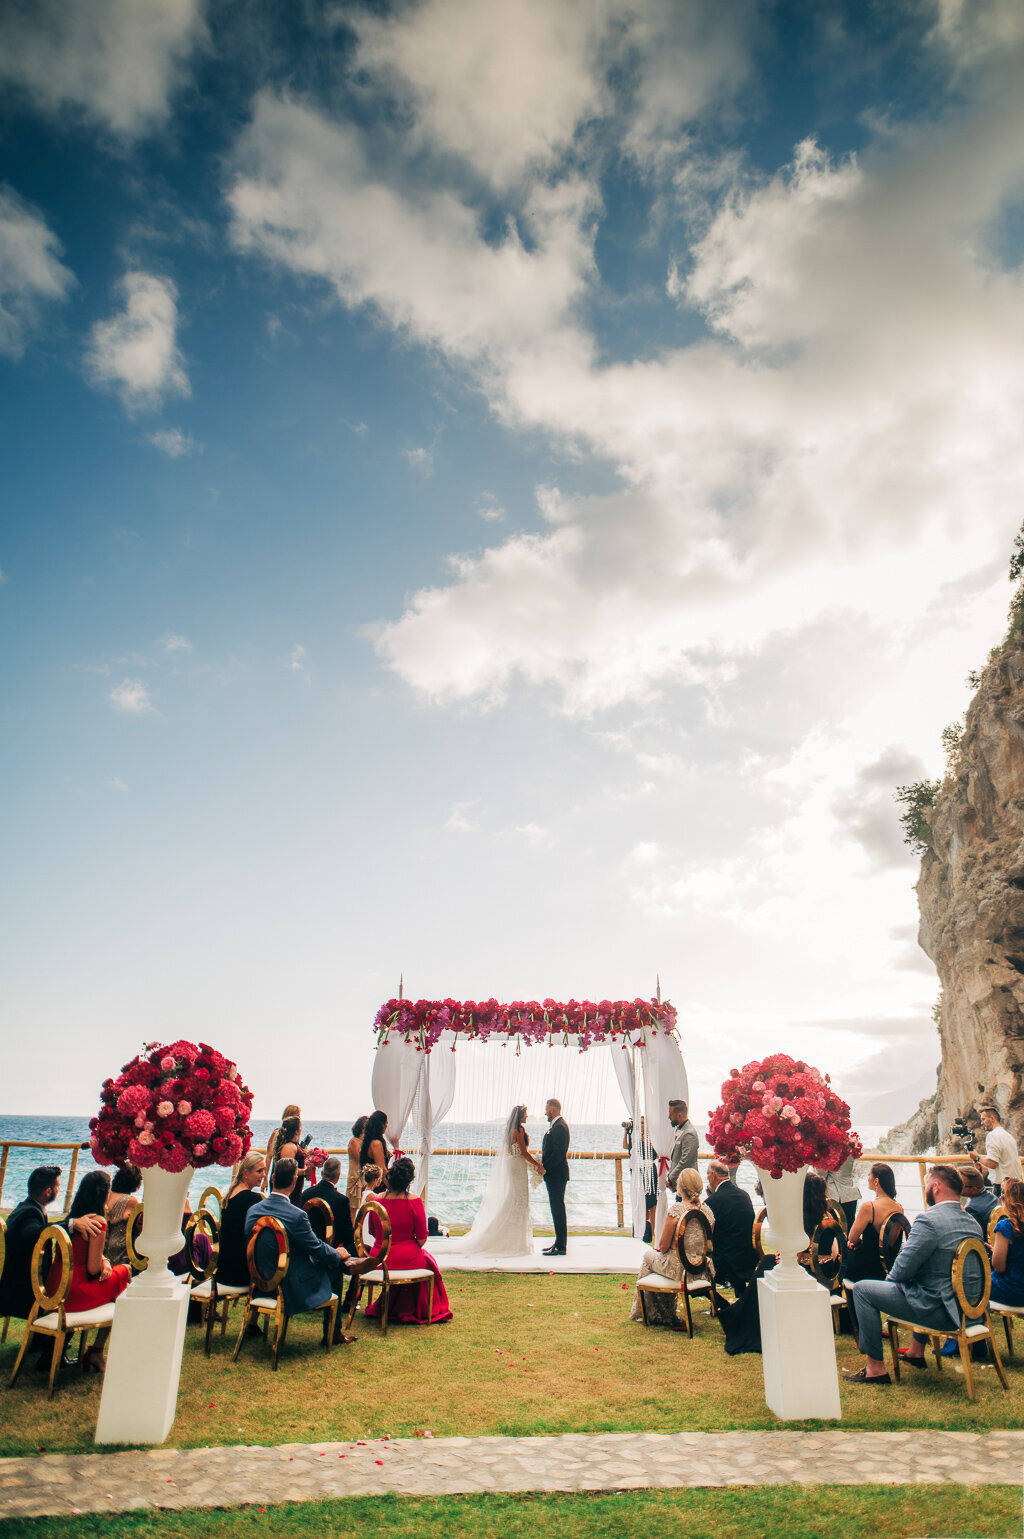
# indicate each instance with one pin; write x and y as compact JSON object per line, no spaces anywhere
{"x":502,"y":1227}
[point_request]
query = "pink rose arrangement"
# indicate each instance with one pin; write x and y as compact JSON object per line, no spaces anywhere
{"x":173,"y":1106}
{"x":782,"y":1114}
{"x":315,"y":1158}
{"x":580,"y":1022}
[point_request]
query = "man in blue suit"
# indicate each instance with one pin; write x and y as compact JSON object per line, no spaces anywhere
{"x":919,"y":1287}
{"x":315,"y":1270}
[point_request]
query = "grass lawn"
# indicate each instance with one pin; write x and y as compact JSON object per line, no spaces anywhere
{"x":523,"y":1355}
{"x":865,"y":1512}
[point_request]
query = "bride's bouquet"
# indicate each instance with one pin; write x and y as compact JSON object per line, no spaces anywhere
{"x":536,"y":1178}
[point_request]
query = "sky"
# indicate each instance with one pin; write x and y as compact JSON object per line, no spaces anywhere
{"x":497,"y":495}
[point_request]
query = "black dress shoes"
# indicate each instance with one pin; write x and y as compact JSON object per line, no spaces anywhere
{"x":553,"y":1250}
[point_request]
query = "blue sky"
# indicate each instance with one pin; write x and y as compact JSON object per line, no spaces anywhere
{"x":495,"y":492}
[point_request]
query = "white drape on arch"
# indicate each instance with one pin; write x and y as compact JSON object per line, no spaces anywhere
{"x":436,"y":1094}
{"x":662,"y":1078}
{"x":405,"y":1078}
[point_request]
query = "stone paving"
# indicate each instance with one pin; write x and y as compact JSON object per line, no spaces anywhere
{"x":59,"y":1484}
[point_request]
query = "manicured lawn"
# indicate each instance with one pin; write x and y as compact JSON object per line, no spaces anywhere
{"x":864,"y":1512}
{"x":523,"y":1355}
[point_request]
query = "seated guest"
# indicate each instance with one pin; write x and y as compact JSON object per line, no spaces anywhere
{"x":354,"y":1186}
{"x":1008,"y":1247}
{"x":373,"y":1180}
{"x":664,"y":1261}
{"x":201,"y":1248}
{"x":919,"y":1287}
{"x":841,"y":1187}
{"x":733,"y":1210}
{"x":121,"y":1204}
{"x":341,"y":1215}
{"x":408,"y":1232}
{"x":979,"y":1199}
{"x":94,"y":1281}
{"x":741,"y":1321}
{"x":232,"y":1264}
{"x":863,"y":1245}
{"x":25,"y":1225}
{"x":315,"y":1270}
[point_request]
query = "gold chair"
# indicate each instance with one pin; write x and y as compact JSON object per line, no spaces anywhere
{"x":997,"y":1213}
{"x":755,"y":1238}
{"x":384,"y":1277}
{"x":321,"y":1219}
{"x":695,"y":1249}
{"x":837,"y":1213}
{"x":3,"y":1255}
{"x":825,"y":1272}
{"x":137,"y":1262}
{"x":48,"y":1317}
{"x":213,"y":1194}
{"x":206,"y":1290}
{"x":972,"y":1280}
{"x":265,"y":1300}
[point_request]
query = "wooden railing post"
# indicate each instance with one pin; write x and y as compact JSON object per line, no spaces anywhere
{"x":618,"y":1192}
{"x":71,"y":1181}
{"x":3,"y":1169}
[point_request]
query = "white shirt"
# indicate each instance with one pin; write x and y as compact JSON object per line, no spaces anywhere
{"x":999,"y":1146}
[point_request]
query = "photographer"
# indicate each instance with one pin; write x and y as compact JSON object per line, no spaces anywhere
{"x":1000,"y":1159}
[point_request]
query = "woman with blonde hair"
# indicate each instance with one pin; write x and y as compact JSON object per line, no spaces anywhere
{"x":665,"y":1259}
{"x":232,"y":1263}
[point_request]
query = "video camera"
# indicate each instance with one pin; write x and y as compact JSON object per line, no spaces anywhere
{"x":960,"y":1130}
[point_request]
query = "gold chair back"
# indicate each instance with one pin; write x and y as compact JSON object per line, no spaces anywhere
{"x":43,"y":1254}
{"x":837,"y":1213}
{"x":892,"y":1238}
{"x":971,"y":1277}
{"x":137,"y":1262}
{"x":213,"y":1194}
{"x":371,"y":1205}
{"x":260,"y":1283}
{"x":320,"y":1217}
{"x":693,"y":1241}
{"x":997,"y":1213}
{"x":759,"y":1223}
{"x":205,"y":1223}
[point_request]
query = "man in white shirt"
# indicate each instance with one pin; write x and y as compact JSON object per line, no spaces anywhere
{"x":1000,"y":1158}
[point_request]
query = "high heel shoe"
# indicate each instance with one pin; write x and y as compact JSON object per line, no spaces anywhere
{"x":94,"y":1361}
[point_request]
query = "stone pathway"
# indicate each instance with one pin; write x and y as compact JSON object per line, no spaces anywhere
{"x":59,"y":1484}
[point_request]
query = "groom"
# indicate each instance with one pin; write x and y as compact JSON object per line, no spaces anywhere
{"x":553,"y":1153}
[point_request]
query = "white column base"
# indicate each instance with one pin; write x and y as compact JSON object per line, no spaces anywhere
{"x":798,"y":1349}
{"x":140,"y":1386}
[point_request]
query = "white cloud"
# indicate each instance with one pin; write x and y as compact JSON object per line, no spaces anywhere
{"x":459,"y":820}
{"x":173,"y":442}
{"x":132,"y":697}
{"x":135,"y":352}
{"x":419,"y":459}
{"x":116,"y":784}
{"x":297,"y":659}
{"x":31,"y":272}
{"x":489,"y":509}
{"x":174,"y":643}
{"x":117,"y":61}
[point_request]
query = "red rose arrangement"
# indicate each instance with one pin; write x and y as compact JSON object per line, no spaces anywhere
{"x":525,"y":1020}
{"x":314,"y":1158}
{"x":782,"y":1114}
{"x":173,"y":1106}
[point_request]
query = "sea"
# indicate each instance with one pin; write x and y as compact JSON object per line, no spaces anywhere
{"x":456,"y":1183}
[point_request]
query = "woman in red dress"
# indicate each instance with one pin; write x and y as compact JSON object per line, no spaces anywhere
{"x":93,"y":1280}
{"x":408,"y":1231}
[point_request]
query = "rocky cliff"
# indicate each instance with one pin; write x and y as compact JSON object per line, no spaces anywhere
{"x":971,"y":900}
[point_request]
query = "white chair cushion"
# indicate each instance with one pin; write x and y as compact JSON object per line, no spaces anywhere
{"x":1007,"y":1309}
{"x":224,"y":1290}
{"x":262,"y":1302}
{"x":80,"y":1320}
{"x":413,"y":1274}
{"x":976,"y":1330}
{"x":658,"y":1285}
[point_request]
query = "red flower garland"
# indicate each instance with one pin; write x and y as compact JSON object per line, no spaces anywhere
{"x":171,"y":1107}
{"x":423,"y":1020}
{"x":782,"y":1114}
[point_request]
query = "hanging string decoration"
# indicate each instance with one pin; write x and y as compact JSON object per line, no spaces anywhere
{"x":577,"y":1022}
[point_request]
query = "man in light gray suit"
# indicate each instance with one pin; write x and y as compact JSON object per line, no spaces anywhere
{"x":919,"y":1287}
{"x":684,"y":1145}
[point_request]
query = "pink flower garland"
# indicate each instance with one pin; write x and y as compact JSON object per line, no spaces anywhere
{"x":423,"y":1020}
{"x":171,"y":1107}
{"x":782,"y":1114}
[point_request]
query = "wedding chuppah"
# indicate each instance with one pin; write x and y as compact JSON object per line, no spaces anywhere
{"x":414,"y":1082}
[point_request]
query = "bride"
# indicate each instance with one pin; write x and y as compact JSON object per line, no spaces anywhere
{"x":502,"y":1227}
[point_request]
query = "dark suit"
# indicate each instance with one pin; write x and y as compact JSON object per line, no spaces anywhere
{"x":24,"y":1227}
{"x":733,"y":1238}
{"x":553,"y":1156}
{"x":314,"y":1271}
{"x":340,"y":1210}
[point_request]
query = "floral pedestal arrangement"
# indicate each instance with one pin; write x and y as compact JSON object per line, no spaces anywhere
{"x":170,"y":1110}
{"x":785,"y":1117}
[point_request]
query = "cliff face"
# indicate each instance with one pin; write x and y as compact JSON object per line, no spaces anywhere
{"x":971,"y":900}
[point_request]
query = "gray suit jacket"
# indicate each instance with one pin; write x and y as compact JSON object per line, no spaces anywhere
{"x":923,"y":1266}
{"x":684,"y":1152}
{"x":313,"y":1267}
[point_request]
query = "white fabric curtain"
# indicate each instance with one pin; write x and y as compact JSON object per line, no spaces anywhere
{"x":397,"y":1071}
{"x":664,"y":1077}
{"x":631,"y":1087}
{"x":436,"y":1094}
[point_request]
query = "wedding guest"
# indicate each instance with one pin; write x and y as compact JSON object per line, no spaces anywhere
{"x":374,"y":1149}
{"x":741,"y":1321}
{"x":979,"y":1199}
{"x":341,"y":1214}
{"x":685,"y":1144}
{"x":276,"y":1139}
{"x":735,"y":1258}
{"x":24,"y":1226}
{"x":289,"y":1148}
{"x":841,"y":1187}
{"x":354,"y":1185}
{"x":664,"y":1261}
{"x":94,"y":1281}
{"x":864,"y":1242}
{"x":121,"y":1204}
{"x":1008,"y":1247}
{"x":408,"y":1219}
{"x":232,"y":1265}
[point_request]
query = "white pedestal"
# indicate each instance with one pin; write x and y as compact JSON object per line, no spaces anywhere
{"x":140,"y":1386}
{"x":798,"y":1349}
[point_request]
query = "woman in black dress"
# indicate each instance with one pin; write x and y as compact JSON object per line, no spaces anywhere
{"x":232,"y":1265}
{"x":863,"y":1255}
